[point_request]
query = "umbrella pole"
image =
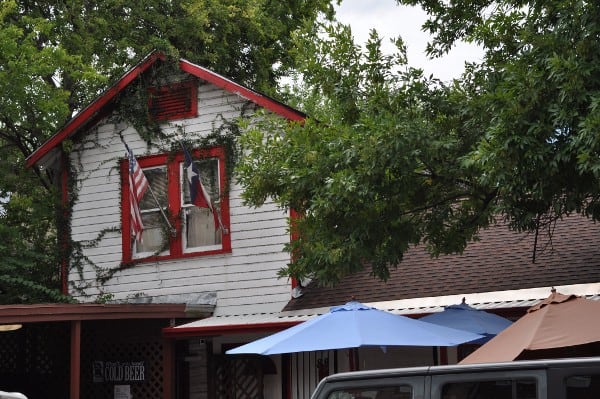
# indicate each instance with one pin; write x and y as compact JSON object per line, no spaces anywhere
{"x":443,"y":355}
{"x":353,"y":359}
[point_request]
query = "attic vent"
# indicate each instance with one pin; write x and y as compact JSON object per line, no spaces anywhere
{"x":173,"y":102}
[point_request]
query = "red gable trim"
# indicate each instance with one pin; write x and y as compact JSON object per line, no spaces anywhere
{"x":92,"y":109}
{"x":81,"y":118}
{"x":184,"y":332}
{"x":233,"y":87}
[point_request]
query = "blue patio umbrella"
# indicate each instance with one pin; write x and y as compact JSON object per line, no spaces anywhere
{"x":465,"y":317}
{"x":354,"y":325}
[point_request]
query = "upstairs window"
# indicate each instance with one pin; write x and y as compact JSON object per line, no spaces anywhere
{"x":201,"y":226}
{"x":191,"y":230}
{"x":152,"y":205}
{"x":175,"y":101}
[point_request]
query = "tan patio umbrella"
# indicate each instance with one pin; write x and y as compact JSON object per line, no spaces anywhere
{"x":559,"y":325}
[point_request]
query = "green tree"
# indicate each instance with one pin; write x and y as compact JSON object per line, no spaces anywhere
{"x":539,"y":88}
{"x":55,"y":57}
{"x":377,"y":168}
{"x":397,"y":159}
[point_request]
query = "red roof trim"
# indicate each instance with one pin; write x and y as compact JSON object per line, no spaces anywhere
{"x":233,"y":87}
{"x":184,"y":332}
{"x":81,"y":118}
{"x":92,"y":109}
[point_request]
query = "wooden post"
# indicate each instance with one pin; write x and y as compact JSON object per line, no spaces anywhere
{"x":75,"y":380}
{"x":168,"y":368}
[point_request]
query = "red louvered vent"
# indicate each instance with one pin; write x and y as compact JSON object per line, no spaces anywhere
{"x":173,"y":102}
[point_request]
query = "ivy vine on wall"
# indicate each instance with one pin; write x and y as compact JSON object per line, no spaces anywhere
{"x":131,"y":109}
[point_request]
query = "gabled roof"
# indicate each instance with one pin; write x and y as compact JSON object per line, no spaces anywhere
{"x":567,"y":254}
{"x":107,"y":98}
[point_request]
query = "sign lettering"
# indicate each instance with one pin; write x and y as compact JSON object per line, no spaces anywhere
{"x":119,"y":371}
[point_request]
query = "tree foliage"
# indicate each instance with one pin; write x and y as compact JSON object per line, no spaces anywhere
{"x":379,"y":168}
{"x":539,"y":86}
{"x":55,"y":57}
{"x":391,"y":158}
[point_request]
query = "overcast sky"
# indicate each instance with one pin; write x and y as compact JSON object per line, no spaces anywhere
{"x":391,"y":20}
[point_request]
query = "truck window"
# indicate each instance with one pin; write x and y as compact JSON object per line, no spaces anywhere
{"x":583,"y":386}
{"x":390,"y":392}
{"x":492,"y":389}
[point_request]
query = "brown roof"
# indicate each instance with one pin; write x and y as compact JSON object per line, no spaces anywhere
{"x":500,"y":260}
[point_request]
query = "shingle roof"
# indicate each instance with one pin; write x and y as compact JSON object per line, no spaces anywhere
{"x":501,"y":260}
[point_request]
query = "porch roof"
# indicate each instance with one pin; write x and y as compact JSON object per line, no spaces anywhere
{"x":10,"y":314}
{"x":513,"y":302}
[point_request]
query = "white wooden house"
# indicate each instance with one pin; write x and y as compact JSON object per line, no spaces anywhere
{"x":184,"y":257}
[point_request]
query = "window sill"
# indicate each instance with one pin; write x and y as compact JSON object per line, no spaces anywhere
{"x":186,"y":255}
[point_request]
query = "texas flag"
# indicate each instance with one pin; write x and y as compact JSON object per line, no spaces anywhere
{"x":198,"y":194}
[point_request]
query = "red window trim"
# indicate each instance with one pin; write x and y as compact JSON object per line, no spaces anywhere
{"x":155,"y":93}
{"x":174,"y":193}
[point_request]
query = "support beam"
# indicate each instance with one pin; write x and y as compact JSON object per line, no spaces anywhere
{"x":75,"y":380}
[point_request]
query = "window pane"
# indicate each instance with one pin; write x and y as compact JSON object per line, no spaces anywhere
{"x":152,"y":236}
{"x":200,"y":228}
{"x":496,"y":389}
{"x":583,"y":387}
{"x":501,"y":389}
{"x":157,"y":180}
{"x":526,"y":389}
{"x":396,"y":392}
{"x":209,"y":175}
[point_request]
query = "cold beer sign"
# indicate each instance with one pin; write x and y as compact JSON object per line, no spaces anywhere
{"x":119,"y":371}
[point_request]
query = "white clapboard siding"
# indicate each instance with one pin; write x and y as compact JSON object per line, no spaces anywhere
{"x":214,"y":279}
{"x":214,"y":275}
{"x":226,"y":289}
{"x":244,"y":280}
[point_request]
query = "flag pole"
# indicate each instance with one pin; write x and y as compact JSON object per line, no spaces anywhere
{"x":172,"y":230}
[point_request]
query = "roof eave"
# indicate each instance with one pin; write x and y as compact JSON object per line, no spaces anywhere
{"x":10,"y":314}
{"x":206,"y":331}
{"x":92,"y":109}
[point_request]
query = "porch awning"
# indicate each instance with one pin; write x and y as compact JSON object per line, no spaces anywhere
{"x":496,"y":302}
{"x":37,"y":313}
{"x":236,"y":324}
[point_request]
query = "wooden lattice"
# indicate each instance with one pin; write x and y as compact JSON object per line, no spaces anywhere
{"x":122,"y":342}
{"x":238,"y":378}
{"x":11,"y":351}
{"x":34,"y":360}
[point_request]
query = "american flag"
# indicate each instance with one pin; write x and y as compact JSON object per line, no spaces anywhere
{"x":138,"y":184}
{"x":198,"y":194}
